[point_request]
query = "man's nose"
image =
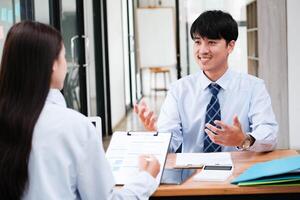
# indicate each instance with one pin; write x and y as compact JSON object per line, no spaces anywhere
{"x":203,"y":48}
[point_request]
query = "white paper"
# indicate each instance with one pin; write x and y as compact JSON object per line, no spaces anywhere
{"x":212,"y":175}
{"x":198,"y":159}
{"x":124,"y":150}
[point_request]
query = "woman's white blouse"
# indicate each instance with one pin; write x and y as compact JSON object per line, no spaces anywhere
{"x":67,"y":160}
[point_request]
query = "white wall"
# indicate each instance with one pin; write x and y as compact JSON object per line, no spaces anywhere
{"x":116,"y":60}
{"x":184,"y":35}
{"x":125,"y":28}
{"x":41,"y":11}
{"x":293,"y":30}
{"x":90,"y":59}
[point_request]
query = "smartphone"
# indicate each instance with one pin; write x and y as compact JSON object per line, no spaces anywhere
{"x":176,"y":176}
{"x":217,"y":167}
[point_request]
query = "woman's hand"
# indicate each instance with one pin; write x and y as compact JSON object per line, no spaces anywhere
{"x":149,"y":164}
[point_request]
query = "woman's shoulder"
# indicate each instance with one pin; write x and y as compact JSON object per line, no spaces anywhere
{"x":66,"y":121}
{"x":66,"y":114}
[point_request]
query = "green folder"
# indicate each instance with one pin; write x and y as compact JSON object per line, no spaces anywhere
{"x":273,"y":181}
{"x":284,"y":171}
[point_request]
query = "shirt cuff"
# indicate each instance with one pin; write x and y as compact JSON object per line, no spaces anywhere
{"x":261,"y":144}
{"x":142,"y":185}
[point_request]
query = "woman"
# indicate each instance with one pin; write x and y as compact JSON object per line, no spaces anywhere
{"x":48,"y":151}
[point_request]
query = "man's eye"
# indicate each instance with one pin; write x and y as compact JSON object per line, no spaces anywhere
{"x":212,"y":42}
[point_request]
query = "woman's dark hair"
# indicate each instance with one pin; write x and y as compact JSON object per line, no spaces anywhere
{"x":215,"y":24}
{"x":29,"y":52}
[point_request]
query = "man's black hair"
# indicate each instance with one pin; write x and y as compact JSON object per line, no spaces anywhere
{"x":215,"y":24}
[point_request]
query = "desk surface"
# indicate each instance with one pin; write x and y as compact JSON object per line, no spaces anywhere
{"x":242,"y":161}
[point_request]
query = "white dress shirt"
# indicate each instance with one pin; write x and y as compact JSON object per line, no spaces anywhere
{"x":183,"y":112}
{"x":67,"y":159}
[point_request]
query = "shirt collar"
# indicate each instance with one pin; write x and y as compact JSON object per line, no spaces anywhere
{"x":56,"y":97}
{"x":223,"y":81}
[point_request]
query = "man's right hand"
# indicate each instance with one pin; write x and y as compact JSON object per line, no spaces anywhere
{"x":147,"y":117}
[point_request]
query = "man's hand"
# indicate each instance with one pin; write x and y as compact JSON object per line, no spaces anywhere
{"x":226,"y":135}
{"x":147,"y":117}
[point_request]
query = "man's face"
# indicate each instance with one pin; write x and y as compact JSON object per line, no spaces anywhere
{"x":212,"y":54}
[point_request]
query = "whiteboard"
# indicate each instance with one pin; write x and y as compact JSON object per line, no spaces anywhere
{"x":156,"y":37}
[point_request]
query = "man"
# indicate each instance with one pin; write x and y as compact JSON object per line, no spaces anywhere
{"x":215,"y":109}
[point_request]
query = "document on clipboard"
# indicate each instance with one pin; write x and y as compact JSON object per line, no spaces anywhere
{"x":126,"y":147}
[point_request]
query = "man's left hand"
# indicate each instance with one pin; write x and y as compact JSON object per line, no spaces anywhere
{"x":224,"y":134}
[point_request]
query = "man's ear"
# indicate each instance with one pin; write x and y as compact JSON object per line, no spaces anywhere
{"x":230,"y":46}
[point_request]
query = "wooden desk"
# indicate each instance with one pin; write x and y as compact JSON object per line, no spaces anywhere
{"x":224,"y":190}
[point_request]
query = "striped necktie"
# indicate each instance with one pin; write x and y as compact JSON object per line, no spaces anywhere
{"x":213,"y":113}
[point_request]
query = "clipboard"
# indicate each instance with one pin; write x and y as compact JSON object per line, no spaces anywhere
{"x":125,"y":148}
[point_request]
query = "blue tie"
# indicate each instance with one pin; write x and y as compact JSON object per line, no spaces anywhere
{"x":213,"y":113}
